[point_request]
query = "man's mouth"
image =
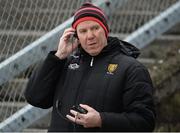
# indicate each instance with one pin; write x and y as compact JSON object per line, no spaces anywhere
{"x":92,"y":43}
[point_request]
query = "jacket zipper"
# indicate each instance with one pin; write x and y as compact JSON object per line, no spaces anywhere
{"x":83,"y":80}
{"x":92,"y":61}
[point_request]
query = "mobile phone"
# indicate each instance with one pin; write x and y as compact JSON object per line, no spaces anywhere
{"x":73,"y":37}
{"x":79,"y":109}
{"x":75,"y":34}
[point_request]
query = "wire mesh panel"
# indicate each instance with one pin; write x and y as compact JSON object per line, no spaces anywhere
{"x":134,"y":13}
{"x":23,"y":21}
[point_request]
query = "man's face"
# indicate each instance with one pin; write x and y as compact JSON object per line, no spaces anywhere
{"x":92,"y":37}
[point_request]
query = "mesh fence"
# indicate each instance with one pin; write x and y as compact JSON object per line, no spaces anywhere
{"x":23,"y":21}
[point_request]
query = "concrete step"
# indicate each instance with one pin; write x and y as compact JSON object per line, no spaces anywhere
{"x":9,"y":108}
{"x":161,"y":38}
{"x":162,"y":41}
{"x":146,"y":60}
{"x":14,"y":90}
{"x":11,"y":43}
{"x":41,"y":22}
{"x":41,"y":19}
{"x":21,"y":39}
{"x":34,"y":130}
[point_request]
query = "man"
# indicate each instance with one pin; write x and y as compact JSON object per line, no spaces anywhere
{"x":94,"y":83}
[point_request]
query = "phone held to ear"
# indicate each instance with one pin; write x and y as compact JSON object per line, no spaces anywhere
{"x":73,"y":37}
{"x":75,"y":34}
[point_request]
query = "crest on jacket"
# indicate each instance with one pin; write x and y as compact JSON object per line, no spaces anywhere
{"x":73,"y":66}
{"x":112,"y":68}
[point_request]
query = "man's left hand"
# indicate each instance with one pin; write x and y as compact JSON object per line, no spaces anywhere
{"x":89,"y":120}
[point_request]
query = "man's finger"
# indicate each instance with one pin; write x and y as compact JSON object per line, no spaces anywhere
{"x":73,"y":112}
{"x":69,"y":30}
{"x":71,"y":118}
{"x":77,"y":114}
{"x":75,"y":119}
{"x":88,"y":108}
{"x":80,"y":116}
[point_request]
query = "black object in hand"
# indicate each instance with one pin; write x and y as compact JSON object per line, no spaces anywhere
{"x":79,"y":109}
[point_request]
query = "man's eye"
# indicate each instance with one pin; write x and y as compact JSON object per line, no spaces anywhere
{"x":97,"y":27}
{"x":82,"y":31}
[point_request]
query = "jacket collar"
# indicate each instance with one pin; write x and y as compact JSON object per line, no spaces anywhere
{"x":115,"y":45}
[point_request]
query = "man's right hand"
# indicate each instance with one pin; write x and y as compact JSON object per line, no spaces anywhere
{"x":65,"y":48}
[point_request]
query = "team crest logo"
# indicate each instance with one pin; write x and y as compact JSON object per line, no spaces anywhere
{"x":112,"y":68}
{"x":73,"y":66}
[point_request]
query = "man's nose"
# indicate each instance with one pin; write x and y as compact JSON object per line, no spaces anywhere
{"x":90,"y":35}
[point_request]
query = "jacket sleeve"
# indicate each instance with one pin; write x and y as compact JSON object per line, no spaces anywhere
{"x":40,"y":88}
{"x":138,"y":104}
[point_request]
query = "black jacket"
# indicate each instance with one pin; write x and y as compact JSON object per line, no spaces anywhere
{"x":114,"y":83}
